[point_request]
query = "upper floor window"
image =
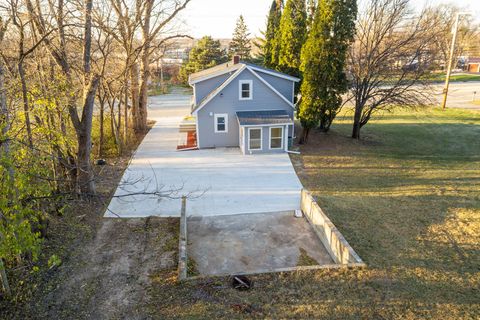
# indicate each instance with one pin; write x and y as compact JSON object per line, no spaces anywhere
{"x":221,"y":122}
{"x":245,"y":89}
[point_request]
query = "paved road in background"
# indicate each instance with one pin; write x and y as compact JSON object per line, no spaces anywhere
{"x":460,"y":95}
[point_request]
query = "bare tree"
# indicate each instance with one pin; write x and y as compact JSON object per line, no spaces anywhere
{"x":389,"y":60}
{"x":444,"y":17}
{"x":59,"y":51}
{"x":154,"y":21}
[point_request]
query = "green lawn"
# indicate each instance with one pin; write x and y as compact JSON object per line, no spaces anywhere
{"x":406,"y":197}
{"x":439,"y":77}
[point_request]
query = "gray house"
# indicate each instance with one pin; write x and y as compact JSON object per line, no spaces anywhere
{"x":239,"y":104}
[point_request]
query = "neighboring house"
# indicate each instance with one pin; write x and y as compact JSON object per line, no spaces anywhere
{"x":473,"y":65}
{"x":238,"y":104}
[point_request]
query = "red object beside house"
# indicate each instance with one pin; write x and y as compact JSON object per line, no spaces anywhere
{"x":191,"y":141}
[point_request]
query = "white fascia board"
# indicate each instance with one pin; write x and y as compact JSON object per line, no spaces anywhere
{"x":272,"y":88}
{"x":217,"y":91}
{"x":275,"y":74}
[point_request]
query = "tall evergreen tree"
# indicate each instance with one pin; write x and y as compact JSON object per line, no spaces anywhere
{"x":240,"y":44}
{"x":293,"y":31}
{"x":207,"y":53}
{"x":323,"y":63}
{"x":271,"y":45}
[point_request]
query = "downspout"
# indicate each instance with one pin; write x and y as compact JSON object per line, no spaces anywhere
{"x":293,"y":128}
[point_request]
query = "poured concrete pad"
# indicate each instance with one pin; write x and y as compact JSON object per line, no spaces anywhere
{"x":251,"y":243}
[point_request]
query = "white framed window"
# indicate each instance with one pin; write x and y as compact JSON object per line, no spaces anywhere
{"x":245,"y":90}
{"x":276,"y":138}
{"x":221,"y":122}
{"x":254,"y":138}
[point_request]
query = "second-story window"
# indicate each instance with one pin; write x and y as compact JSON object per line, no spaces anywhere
{"x":245,"y":90}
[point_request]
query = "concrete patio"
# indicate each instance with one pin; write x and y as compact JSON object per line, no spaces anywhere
{"x":256,"y":243}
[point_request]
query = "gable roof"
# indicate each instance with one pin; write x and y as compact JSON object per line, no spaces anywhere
{"x":214,"y":93}
{"x":231,"y":66}
{"x":272,"y":72}
{"x":213,"y":72}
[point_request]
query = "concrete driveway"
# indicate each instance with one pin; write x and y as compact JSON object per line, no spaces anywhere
{"x":217,"y":181}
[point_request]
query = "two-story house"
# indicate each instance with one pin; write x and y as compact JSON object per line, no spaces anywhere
{"x":238,"y":104}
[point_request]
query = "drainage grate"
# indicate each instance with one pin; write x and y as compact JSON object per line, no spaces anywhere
{"x":241,"y":283}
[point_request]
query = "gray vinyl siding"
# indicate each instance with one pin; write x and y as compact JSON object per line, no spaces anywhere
{"x":204,"y":88}
{"x":265,"y":141}
{"x":284,"y":86}
{"x":227,"y":101}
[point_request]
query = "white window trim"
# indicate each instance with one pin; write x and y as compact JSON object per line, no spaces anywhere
{"x":270,"y":138}
{"x":250,"y":83}
{"x":221,"y":115}
{"x":261,"y":139}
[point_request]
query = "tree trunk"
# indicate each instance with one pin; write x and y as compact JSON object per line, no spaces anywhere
{"x":26,"y":108}
{"x":145,"y":69}
{"x":84,"y":136}
{"x":134,"y":89}
{"x":356,"y":123}
{"x":143,"y":94}
{"x":102,"y":135}
{"x":304,"y":135}
{"x":125,"y":116}
{"x":115,"y":128}
{"x":4,"y":117}
{"x":85,"y":174}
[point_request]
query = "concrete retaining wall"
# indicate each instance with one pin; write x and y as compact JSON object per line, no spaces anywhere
{"x":182,"y":250}
{"x":339,"y":249}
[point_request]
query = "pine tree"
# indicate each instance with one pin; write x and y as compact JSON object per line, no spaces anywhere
{"x":323,"y":64}
{"x":293,"y":31}
{"x":271,"y":46}
{"x":240,"y":44}
{"x":206,"y":54}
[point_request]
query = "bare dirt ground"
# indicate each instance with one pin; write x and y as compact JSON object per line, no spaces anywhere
{"x":107,"y":278}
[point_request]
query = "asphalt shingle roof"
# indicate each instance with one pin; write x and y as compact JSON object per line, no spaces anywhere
{"x":220,"y":69}
{"x":248,"y":118}
{"x":229,"y":67}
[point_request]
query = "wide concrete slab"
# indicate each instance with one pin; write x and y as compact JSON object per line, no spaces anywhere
{"x":217,"y":181}
{"x":251,"y":243}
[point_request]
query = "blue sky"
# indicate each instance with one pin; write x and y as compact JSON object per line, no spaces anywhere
{"x":217,"y":17}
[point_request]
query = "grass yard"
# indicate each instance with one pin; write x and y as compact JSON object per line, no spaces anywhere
{"x":465,"y":77}
{"x":406,"y":197}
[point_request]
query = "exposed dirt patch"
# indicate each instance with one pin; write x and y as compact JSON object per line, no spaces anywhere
{"x":108,"y":278}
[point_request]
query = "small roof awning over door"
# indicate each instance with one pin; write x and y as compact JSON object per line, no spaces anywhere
{"x":255,"y":118}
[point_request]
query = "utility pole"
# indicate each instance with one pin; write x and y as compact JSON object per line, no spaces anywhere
{"x":450,"y":60}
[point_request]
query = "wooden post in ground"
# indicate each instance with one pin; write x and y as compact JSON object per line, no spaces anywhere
{"x":182,"y":254}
